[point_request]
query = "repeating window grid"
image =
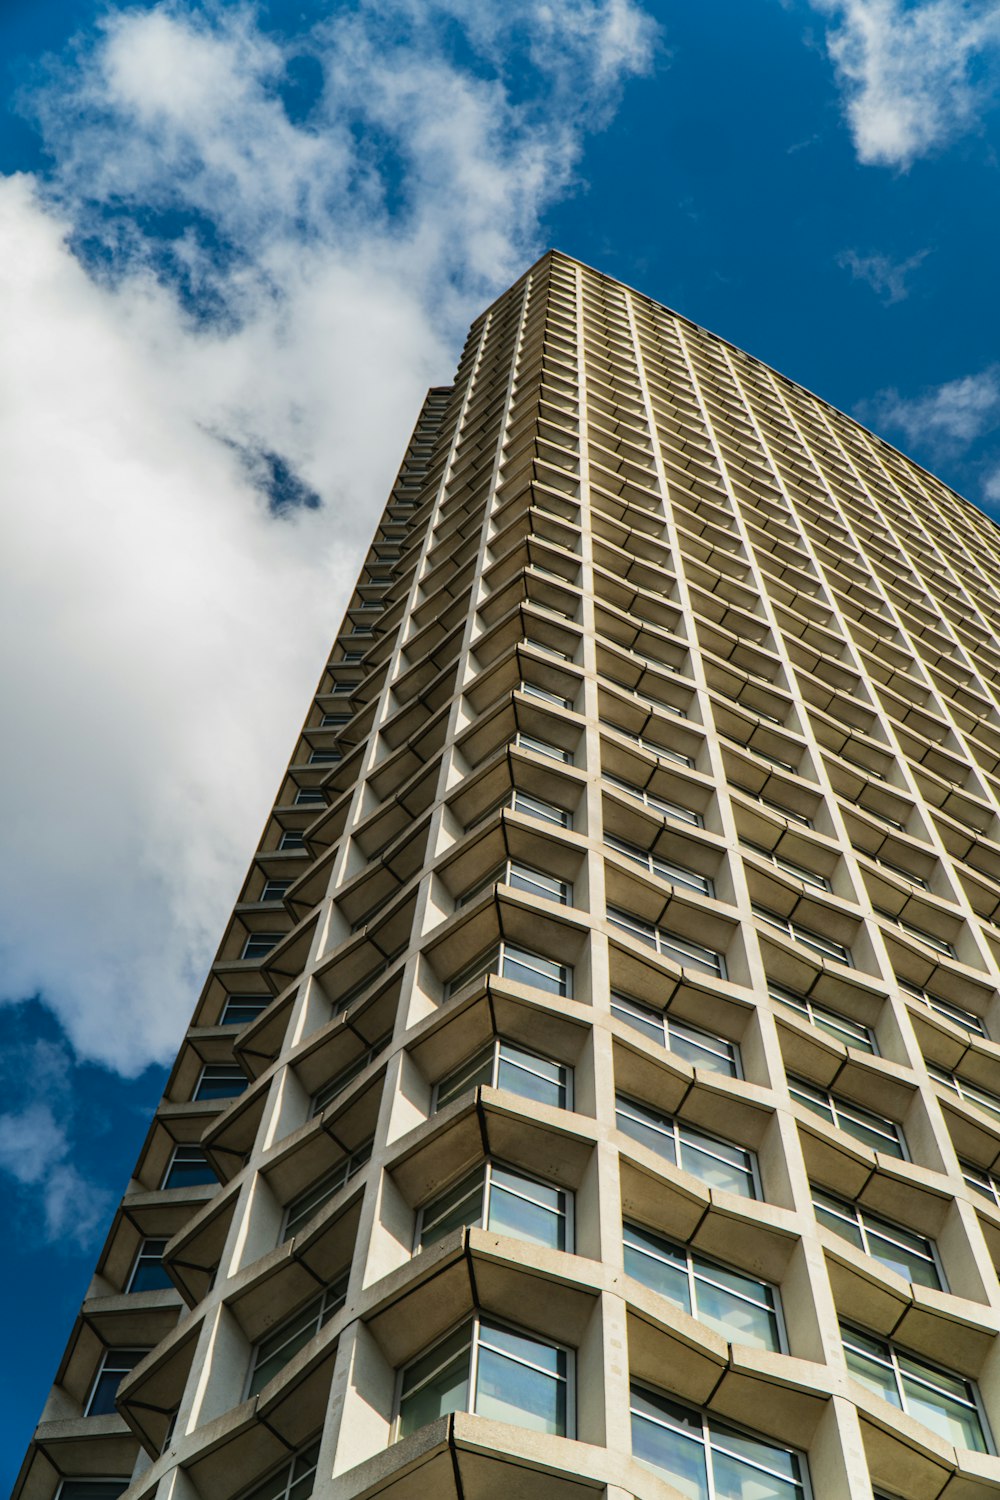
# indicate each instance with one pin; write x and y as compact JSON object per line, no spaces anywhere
{"x":788,"y":866}
{"x":664,"y":869}
{"x":692,"y":1150}
{"x":877,"y":1131}
{"x":970,"y":1092}
{"x":488,"y":1335}
{"x":884,"y":1241}
{"x":521,"y":877}
{"x":852,"y":1033}
{"x":981,"y":1181}
{"x":682,"y":951}
{"x":542,"y":747}
{"x":702,"y":1048}
{"x":509,"y":961}
{"x":815,"y":941}
{"x":656,"y":804}
{"x":729,"y":1287}
{"x":947,"y":1008}
{"x":336,"y":1086}
{"x":272,"y":1353}
{"x":303,"y":1207}
{"x":745,"y":1459}
{"x":933,"y":1384}
{"x":547,"y":1216}
{"x":940,"y":945}
{"x":502,"y":1064}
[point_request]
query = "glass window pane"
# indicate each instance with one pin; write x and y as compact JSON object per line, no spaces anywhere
{"x":658,"y":1264}
{"x":866,"y":1365}
{"x":944,"y":1402}
{"x":532,"y":1077}
{"x":461,"y":1204}
{"x":670,"y":1439}
{"x":717,"y":1163}
{"x":647,"y":1128}
{"x":527,"y":1210}
{"x":529,"y":968}
{"x":737,"y":1307}
{"x":744,"y":1469}
{"x":521,"y":1381}
{"x":436,"y":1383}
{"x":468,"y":1075}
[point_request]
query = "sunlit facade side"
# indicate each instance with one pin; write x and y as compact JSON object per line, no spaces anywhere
{"x":595,"y":1094}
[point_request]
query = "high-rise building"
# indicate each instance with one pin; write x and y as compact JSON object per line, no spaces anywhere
{"x":596,"y":1092}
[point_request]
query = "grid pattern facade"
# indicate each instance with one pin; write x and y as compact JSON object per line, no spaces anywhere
{"x":595,"y":1093}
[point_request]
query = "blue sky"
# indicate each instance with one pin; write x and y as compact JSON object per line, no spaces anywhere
{"x":235,"y":246}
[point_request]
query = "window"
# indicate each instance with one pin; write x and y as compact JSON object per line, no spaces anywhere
{"x":114,"y":1367}
{"x":189,"y":1167}
{"x":741,"y":1308}
{"x":494,"y":1371}
{"x":662,"y":752}
{"x":548,"y":650}
{"x":292,"y":839}
{"x":292,"y":1334}
{"x":505,"y":1201}
{"x":676,"y":875}
{"x":708,"y":1460}
{"x":912,"y":1256}
{"x":717,"y":1163}
{"x":788,"y":866}
{"x":510,"y":962}
{"x":703,"y":1049}
{"x":305,"y":1205}
{"x":149,"y":1274}
{"x":325,"y":757}
{"x":521,"y":877}
{"x":656,"y":804}
{"x":339,"y":1083}
{"x":852,"y":1033}
{"x":334,"y":721}
{"x":534,"y":807}
{"x":938,"y":944}
{"x":873,"y":1130}
{"x":824,"y":946}
{"x":946,"y":1008}
{"x":501,"y":1065}
{"x":778,"y":807}
{"x":293,"y":1481}
{"x":221,"y":1081}
{"x":556,"y":699}
{"x":772,"y":760}
{"x":274,"y":890}
{"x":669,"y":944}
{"x":307,"y":795}
{"x":907,"y":875}
{"x":970,"y":1092}
{"x":542,"y":747}
{"x":981,"y":1181}
{"x":239,"y":1009}
{"x":945,"y":1402}
{"x":259,"y":944}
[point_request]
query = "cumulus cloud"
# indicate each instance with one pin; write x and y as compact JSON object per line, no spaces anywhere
{"x":946,"y":417}
{"x":35,"y":1143}
{"x":915,"y":74}
{"x":221,"y":309}
{"x":886,"y":277}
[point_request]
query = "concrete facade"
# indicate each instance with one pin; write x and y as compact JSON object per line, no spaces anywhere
{"x":595,"y":1094}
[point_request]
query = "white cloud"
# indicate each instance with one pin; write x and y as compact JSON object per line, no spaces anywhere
{"x":886,"y":277}
{"x":914,"y":75}
{"x":948,"y":416}
{"x":168,"y":627}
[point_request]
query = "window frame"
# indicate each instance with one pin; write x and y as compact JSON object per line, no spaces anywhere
{"x":351,"y":1163}
{"x":475,"y":1324}
{"x":495,"y":1047}
{"x":667,"y":944}
{"x":656,"y":804}
{"x":694,"y":1260}
{"x":892,"y":1362}
{"x":805,"y":1005}
{"x":486,"y":1167}
{"x":679,"y":877}
{"x":324,"y":1315}
{"x":102,"y":1369}
{"x":621,"y":1002}
{"x":860,"y":1216}
{"x":141,"y":1256}
{"x":677,"y":1127}
{"x":839,"y":1106}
